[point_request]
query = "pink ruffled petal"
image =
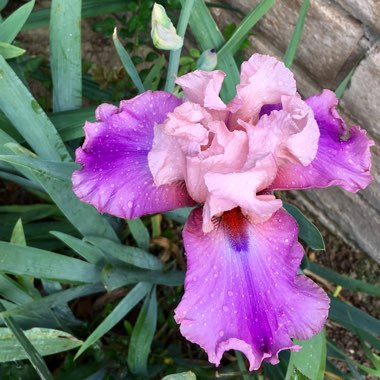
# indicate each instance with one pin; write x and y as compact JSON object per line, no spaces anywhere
{"x":226,"y":153}
{"x":242,"y":291}
{"x":203,"y":87}
{"x":343,"y":156}
{"x":115,"y":176}
{"x":227,"y":191}
{"x":290,"y":134}
{"x":263,"y":80}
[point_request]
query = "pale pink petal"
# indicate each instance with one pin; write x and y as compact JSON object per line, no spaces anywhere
{"x":303,"y":144}
{"x":290,"y":134}
{"x":188,"y":124}
{"x":226,"y":153}
{"x":263,"y":80}
{"x":227,"y":191}
{"x":203,"y":87}
{"x":166,"y":160}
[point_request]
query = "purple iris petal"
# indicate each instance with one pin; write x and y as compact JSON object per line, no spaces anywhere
{"x":115,"y":176}
{"x":343,"y":156}
{"x":242,"y":291}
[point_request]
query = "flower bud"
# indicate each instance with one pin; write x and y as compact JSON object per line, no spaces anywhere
{"x":164,"y":34}
{"x":208,"y":60}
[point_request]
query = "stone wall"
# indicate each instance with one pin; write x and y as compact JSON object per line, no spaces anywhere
{"x":337,"y":35}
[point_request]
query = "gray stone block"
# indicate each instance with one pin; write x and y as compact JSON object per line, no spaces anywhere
{"x":331,"y":42}
{"x":362,"y":99}
{"x":367,"y":11}
{"x":348,"y":215}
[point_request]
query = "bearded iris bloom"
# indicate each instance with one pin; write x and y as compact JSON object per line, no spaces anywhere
{"x":157,"y":152}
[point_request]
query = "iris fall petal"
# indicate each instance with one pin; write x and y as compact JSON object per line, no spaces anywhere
{"x":242,"y":291}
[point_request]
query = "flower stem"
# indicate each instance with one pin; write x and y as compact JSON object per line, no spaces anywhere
{"x":176,"y":54}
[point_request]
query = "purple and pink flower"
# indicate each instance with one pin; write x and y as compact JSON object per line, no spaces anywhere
{"x":157,"y":152}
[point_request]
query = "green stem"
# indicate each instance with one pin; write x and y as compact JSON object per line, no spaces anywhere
{"x":33,"y":356}
{"x":296,"y":37}
{"x":176,"y":54}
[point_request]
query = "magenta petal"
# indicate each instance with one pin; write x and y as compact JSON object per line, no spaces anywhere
{"x":242,"y":291}
{"x":115,"y":176}
{"x":343,"y":156}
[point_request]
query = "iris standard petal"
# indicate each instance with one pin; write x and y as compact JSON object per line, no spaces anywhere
{"x":343,"y":156}
{"x":203,"y":87}
{"x":242,"y":291}
{"x":263,"y":80}
{"x":115,"y":176}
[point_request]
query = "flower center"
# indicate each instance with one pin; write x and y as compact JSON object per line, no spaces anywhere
{"x":234,"y":224}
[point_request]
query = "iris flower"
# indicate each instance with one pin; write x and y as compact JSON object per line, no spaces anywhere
{"x":157,"y":152}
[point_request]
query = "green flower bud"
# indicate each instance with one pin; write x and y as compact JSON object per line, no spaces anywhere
{"x":164,"y":34}
{"x":208,"y":60}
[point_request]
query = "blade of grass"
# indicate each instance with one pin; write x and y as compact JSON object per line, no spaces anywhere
{"x":335,"y":352}
{"x":31,"y":353}
{"x":10,"y":27}
{"x":53,"y":300}
{"x":88,"y":251}
{"x":29,"y":213}
{"x":296,"y":36}
{"x":55,"y":179}
{"x":176,"y":54}
{"x":69,"y":124}
{"x":180,"y":215}
{"x":245,"y":27}
{"x":90,"y":8}
{"x":311,"y":360}
{"x":65,"y":54}
{"x":18,"y":237}
{"x":351,"y":317}
{"x":117,"y":314}
{"x":140,"y":233}
{"x":129,"y":255}
{"x":344,"y":281}
{"x":3,"y":4}
{"x":308,"y":232}
{"x":32,"y":123}
{"x":9,"y":51}
{"x":114,"y":278}
{"x":45,"y":342}
{"x":241,"y":364}
{"x":152,"y":79}
{"x":21,"y":181}
{"x":343,"y":85}
{"x":12,"y":291}
{"x":142,"y":335}
{"x":127,"y":63}
{"x":39,"y":263}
